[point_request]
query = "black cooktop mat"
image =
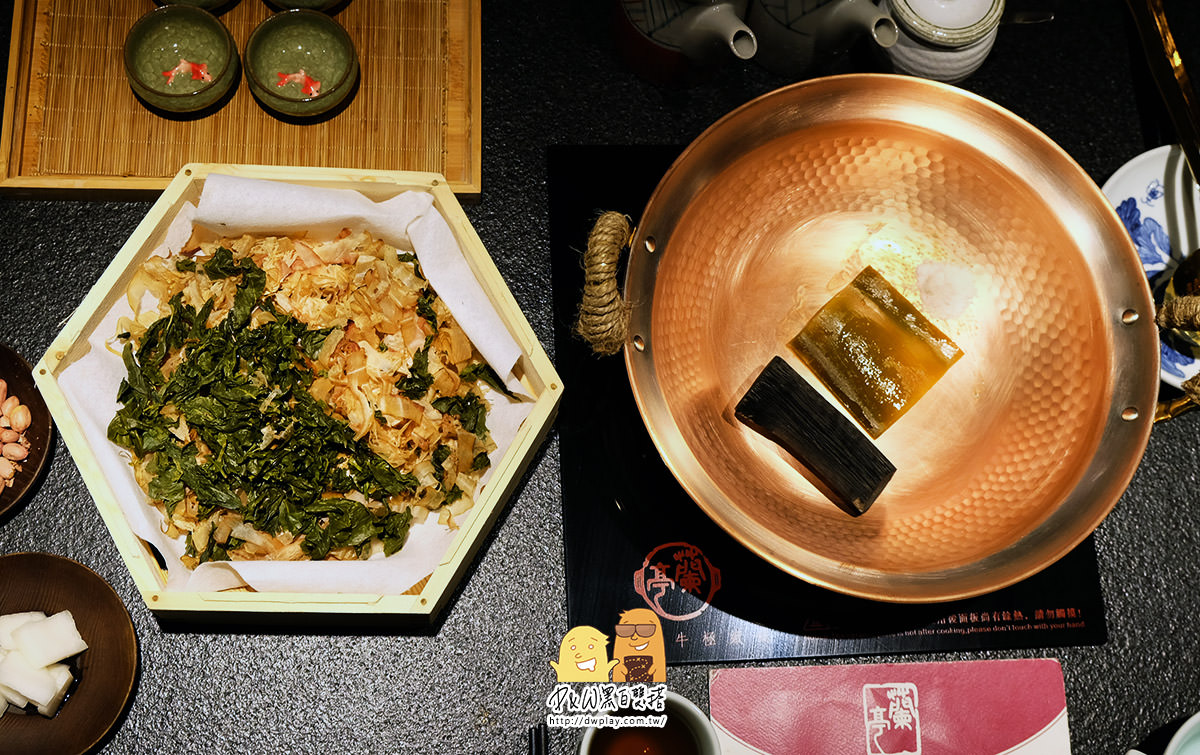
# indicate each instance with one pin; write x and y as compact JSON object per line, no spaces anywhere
{"x":633,"y":537}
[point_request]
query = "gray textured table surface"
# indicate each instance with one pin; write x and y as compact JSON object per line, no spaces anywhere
{"x":476,"y":683}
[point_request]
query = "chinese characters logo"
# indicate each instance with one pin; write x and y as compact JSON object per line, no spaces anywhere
{"x":677,"y":580}
{"x":892,"y":719}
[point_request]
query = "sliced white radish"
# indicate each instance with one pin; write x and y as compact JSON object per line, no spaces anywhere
{"x":63,"y":679}
{"x":49,"y":640}
{"x":13,"y":698}
{"x":10,"y":621}
{"x":33,"y":682}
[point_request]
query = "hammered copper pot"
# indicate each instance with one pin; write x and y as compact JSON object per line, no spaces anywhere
{"x":1018,"y":452}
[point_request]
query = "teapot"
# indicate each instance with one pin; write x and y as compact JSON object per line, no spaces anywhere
{"x":795,"y":34}
{"x":666,"y":40}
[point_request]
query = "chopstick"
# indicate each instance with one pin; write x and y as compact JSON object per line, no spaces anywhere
{"x":1166,"y":68}
{"x":537,"y":739}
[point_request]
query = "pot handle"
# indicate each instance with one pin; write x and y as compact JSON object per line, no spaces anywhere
{"x":1183,"y":313}
{"x":603,"y":314}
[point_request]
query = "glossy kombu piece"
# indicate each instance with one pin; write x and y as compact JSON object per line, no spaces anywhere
{"x":875,"y":351}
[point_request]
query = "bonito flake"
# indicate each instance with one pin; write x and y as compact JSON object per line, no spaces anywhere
{"x":287,"y":399}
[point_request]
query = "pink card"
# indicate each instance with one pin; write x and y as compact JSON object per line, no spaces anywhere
{"x":1015,"y":707}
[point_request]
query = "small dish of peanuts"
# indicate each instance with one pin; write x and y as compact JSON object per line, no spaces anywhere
{"x":15,"y":419}
{"x":25,"y":429}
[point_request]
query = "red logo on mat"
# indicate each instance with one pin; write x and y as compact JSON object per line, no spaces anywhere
{"x":893,"y":721}
{"x":677,"y":580}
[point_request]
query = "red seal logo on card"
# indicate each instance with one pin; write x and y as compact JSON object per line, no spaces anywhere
{"x":892,"y":718}
{"x":677,"y":580}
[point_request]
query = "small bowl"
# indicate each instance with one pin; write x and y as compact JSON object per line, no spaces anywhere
{"x":18,"y":376}
{"x":688,"y":729}
{"x":106,"y":672}
{"x":209,"y":5}
{"x":300,"y":63}
{"x":180,"y":59}
{"x":321,"y":5}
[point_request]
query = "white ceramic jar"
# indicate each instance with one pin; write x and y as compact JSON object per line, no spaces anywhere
{"x":946,"y":40}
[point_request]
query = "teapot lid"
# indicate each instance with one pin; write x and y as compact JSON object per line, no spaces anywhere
{"x":949,"y":23}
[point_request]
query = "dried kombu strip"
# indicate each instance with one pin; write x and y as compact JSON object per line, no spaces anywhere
{"x":874,"y":351}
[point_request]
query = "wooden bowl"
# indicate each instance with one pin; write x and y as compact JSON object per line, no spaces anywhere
{"x":105,"y":671}
{"x":15,"y":371}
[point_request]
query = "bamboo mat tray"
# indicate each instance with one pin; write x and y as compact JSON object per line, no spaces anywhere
{"x":72,"y":124}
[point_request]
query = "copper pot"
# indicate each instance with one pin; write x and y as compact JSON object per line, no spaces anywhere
{"x":1018,"y":452}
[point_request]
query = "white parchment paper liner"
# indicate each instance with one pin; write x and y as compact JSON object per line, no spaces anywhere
{"x":232,"y":206}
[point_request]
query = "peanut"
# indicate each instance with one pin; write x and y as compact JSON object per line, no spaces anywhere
{"x":20,"y":418}
{"x":14,"y":451}
{"x":7,"y":470}
{"x":8,"y":435}
{"x":3,"y":390}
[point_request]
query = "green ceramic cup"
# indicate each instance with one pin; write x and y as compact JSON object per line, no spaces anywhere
{"x":309,"y":4}
{"x":300,"y":63}
{"x":211,"y":5}
{"x":180,"y":59}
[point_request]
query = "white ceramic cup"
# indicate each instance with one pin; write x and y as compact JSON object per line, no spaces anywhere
{"x":1185,"y":742}
{"x":942,"y":40}
{"x":683,"y":709}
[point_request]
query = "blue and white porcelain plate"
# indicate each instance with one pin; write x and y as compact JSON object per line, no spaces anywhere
{"x":1159,"y":204}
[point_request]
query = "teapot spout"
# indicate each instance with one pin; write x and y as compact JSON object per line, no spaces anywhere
{"x":870,"y":20}
{"x":792,"y":44}
{"x":710,"y":28}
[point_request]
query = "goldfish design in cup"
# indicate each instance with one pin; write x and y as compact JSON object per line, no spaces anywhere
{"x":308,"y":85}
{"x":198,"y":71}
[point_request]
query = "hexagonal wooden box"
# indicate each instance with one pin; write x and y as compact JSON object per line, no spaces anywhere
{"x":417,"y":605}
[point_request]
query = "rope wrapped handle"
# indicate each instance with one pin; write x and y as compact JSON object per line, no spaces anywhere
{"x":603,"y":313}
{"x":1182,"y":312}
